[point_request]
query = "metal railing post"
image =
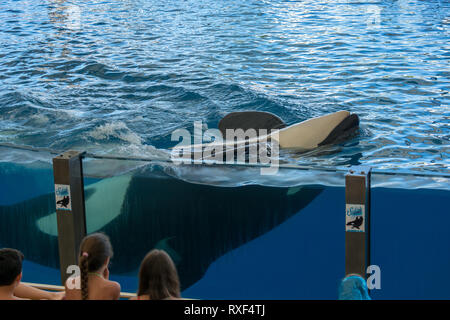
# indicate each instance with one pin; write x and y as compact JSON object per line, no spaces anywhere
{"x":70,"y":209}
{"x":357,"y":221}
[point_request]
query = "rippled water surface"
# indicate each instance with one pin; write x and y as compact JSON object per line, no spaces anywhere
{"x":117,"y":77}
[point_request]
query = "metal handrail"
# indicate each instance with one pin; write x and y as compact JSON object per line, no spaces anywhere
{"x":55,"y":288}
{"x":29,"y":148}
{"x":50,"y":287}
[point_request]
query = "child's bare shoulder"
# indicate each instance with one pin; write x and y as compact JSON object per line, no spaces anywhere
{"x":112,"y":286}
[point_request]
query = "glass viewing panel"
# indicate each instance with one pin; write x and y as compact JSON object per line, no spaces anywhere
{"x":232,"y":232}
{"x":26,"y":201}
{"x":410,"y":238}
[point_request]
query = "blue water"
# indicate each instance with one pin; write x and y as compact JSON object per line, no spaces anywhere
{"x":118,"y":77}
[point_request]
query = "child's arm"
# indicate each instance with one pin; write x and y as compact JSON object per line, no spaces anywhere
{"x":28,"y":292}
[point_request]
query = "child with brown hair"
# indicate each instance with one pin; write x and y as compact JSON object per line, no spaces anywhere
{"x":158,"y":278}
{"x":10,"y":273}
{"x":11,"y":286}
{"x":95,"y":254}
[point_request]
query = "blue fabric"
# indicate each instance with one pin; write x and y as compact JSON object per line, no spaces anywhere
{"x":353,"y":288}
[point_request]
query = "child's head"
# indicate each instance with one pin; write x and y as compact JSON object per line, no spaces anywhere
{"x":10,"y":267}
{"x":158,"y":276}
{"x":353,"y":287}
{"x":95,"y":253}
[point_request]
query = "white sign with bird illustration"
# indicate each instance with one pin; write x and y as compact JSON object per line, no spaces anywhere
{"x":354,"y":218}
{"x":62,"y":197}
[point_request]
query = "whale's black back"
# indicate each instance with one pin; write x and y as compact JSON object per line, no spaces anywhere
{"x":250,"y":120}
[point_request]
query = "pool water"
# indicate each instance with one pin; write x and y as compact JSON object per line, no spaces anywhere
{"x":118,"y":77}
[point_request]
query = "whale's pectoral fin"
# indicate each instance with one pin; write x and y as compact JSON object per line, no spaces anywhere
{"x":343,"y":130}
{"x":164,"y":245}
{"x":88,"y":193}
{"x":250,"y":120}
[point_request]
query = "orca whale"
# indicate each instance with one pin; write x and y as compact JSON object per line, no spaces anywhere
{"x":145,"y":209}
{"x":356,"y":223}
{"x":194,"y":223}
{"x":306,"y":135}
{"x":64,"y":201}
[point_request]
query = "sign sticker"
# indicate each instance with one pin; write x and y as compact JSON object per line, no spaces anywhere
{"x":354,"y":217}
{"x":62,"y":195}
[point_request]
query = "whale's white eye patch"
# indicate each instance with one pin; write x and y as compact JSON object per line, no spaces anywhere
{"x":102,"y":206}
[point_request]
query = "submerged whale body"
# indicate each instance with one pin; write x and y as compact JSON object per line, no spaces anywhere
{"x":194,"y":223}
